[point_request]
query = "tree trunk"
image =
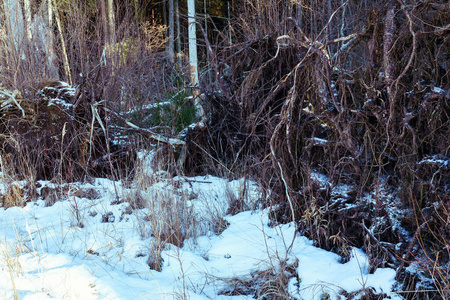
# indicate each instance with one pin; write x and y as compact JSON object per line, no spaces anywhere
{"x":15,"y":24}
{"x":171,"y":48}
{"x":388,"y":42}
{"x":111,"y":23}
{"x":177,"y":13}
{"x":205,"y":8}
{"x":49,"y":17}
{"x":49,"y":43}
{"x":299,"y":13}
{"x":164,"y":16}
{"x":27,"y":11}
{"x":193,"y":64}
{"x":63,"y":46}
{"x":312,"y":21}
{"x":229,"y":24}
{"x":104,"y":20}
{"x":330,"y":24}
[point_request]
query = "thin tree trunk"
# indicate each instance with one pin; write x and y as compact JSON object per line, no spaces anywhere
{"x":177,"y":13}
{"x":136,"y":10}
{"x":312,"y":23}
{"x":49,"y":17}
{"x":229,"y":24}
{"x":111,"y":23}
{"x":27,"y":11}
{"x":193,"y":64}
{"x":342,"y":33}
{"x":299,"y":13}
{"x":164,"y":16}
{"x":50,"y":43}
{"x":206,"y":32}
{"x":330,"y":25}
{"x":171,"y":47}
{"x":388,"y":42}
{"x":15,"y":23}
{"x":63,"y":45}
{"x":104,"y":20}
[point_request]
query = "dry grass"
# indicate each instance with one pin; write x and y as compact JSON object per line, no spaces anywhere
{"x":14,"y":196}
{"x":10,"y":254}
{"x":271,"y":283}
{"x":13,"y":268}
{"x":169,"y":218}
{"x":428,"y":255}
{"x":14,"y":193}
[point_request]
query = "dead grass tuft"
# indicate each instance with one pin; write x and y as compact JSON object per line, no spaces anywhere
{"x":14,"y":196}
{"x":267,"y":284}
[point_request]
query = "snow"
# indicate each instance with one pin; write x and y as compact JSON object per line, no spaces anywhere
{"x":438,"y":160}
{"x":321,"y":178}
{"x":327,"y":276}
{"x":439,"y":90}
{"x":44,"y":254}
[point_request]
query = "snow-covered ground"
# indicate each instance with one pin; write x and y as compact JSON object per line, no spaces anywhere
{"x":92,"y":245}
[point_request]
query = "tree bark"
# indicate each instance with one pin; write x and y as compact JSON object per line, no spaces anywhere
{"x":111,"y":23}
{"x":177,"y":15}
{"x":15,"y":24}
{"x":63,"y":46}
{"x":50,"y":39}
{"x":27,"y":11}
{"x":193,"y":64}
{"x":104,"y":20}
{"x":388,"y":42}
{"x":299,"y":13}
{"x":171,"y":47}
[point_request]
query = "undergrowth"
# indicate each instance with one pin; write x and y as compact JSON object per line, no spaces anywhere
{"x":353,"y":105}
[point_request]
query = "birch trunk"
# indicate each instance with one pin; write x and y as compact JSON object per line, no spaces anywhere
{"x":49,"y":43}
{"x":193,"y":64}
{"x":14,"y":23}
{"x":27,"y":11}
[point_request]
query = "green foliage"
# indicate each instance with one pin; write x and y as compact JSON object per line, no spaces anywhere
{"x":175,"y":109}
{"x":172,"y":109}
{"x":177,"y":113}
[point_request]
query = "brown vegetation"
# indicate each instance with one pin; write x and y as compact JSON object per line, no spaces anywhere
{"x":358,"y":91}
{"x":363,"y":100}
{"x":51,"y":134}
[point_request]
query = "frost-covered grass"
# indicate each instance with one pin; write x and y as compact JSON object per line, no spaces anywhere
{"x":95,"y":243}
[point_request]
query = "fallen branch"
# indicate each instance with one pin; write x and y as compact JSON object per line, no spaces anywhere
{"x":153,"y":135}
{"x":11,"y":97}
{"x":408,"y":253}
{"x":379,"y":243}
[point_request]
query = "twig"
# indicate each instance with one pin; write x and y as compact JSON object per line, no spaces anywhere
{"x":391,"y":257}
{"x":409,"y":251}
{"x":413,"y":51}
{"x":12,"y":98}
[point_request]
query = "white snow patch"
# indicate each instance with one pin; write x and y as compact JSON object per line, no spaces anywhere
{"x":52,"y":258}
{"x":323,"y":179}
